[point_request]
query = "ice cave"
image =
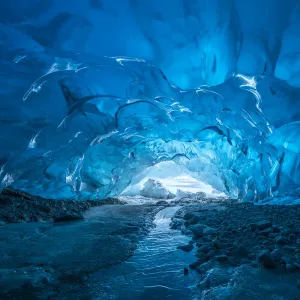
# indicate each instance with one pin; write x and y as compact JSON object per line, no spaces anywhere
{"x":150,"y":149}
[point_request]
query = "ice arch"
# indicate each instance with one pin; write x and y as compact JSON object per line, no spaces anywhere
{"x":80,"y":117}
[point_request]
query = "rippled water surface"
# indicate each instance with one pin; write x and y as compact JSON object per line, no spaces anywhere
{"x":156,"y":269}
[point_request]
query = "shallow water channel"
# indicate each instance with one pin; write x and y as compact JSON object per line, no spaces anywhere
{"x":155,"y":271}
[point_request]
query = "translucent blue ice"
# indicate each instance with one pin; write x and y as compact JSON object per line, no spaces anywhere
{"x":94,"y":92}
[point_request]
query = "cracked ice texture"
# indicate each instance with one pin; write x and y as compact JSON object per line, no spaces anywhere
{"x":214,"y":87}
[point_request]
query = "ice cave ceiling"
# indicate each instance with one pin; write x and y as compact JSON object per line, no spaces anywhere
{"x":95,"y":92}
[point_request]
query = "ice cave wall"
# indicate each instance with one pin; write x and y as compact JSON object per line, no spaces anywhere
{"x":213,"y":86}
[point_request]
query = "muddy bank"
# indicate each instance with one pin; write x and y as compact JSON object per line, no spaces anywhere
{"x":17,"y":206}
{"x":46,"y":260}
{"x":234,"y":241}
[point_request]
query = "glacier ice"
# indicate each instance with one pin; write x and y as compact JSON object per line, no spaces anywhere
{"x":154,"y":189}
{"x":95,"y":93}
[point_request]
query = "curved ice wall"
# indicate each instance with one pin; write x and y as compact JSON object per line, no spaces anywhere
{"x":94,"y":92}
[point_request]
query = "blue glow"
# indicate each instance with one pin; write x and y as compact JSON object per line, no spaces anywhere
{"x":95,"y":93}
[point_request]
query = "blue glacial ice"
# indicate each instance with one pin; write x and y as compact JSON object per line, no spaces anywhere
{"x":94,"y":93}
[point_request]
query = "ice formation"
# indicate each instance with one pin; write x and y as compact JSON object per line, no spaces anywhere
{"x":94,"y":93}
{"x":154,"y":189}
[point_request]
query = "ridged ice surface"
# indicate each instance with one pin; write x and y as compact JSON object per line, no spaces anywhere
{"x":93,"y":94}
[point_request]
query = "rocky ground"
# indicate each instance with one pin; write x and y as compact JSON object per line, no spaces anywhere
{"x":16,"y":206}
{"x":242,"y":251}
{"x":230,"y":235}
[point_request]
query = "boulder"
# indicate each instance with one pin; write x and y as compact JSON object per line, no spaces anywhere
{"x":253,"y":227}
{"x":277,"y":254}
{"x":273,"y":235}
{"x":205,"y":248}
{"x":266,"y":259}
{"x":154,"y":189}
{"x":215,"y":277}
{"x":240,"y":251}
{"x":290,"y":268}
{"x":186,"y":248}
{"x":276,"y":229}
{"x":279,"y":240}
{"x":222,"y":258}
{"x":67,"y":216}
{"x":263,"y":225}
{"x":209,"y":230}
{"x":197,"y":229}
{"x":196,"y":264}
{"x":265,"y":232}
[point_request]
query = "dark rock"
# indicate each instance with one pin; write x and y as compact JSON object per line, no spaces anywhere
{"x":205,"y":248}
{"x":200,"y":254}
{"x":186,"y":248}
{"x":266,"y":260}
{"x":276,"y":229}
{"x":279,"y":240}
{"x":297,"y":265}
{"x":273,"y":235}
{"x":286,"y":259}
{"x":185,"y":271}
{"x":6,"y":201}
{"x":188,"y":216}
{"x":211,"y":253}
{"x":69,"y":216}
{"x":197,"y":229}
{"x":240,"y":251}
{"x":256,"y":248}
{"x":263,"y":225}
{"x":253,"y":226}
{"x":232,"y":261}
{"x":265,"y":232}
{"x":35,"y":219}
{"x":277,"y":254}
{"x":222,"y":258}
{"x":176,"y":223}
{"x":209,"y":230}
{"x":289,"y":248}
{"x":215,"y":277}
{"x":195,"y":264}
{"x":216,"y":244}
{"x":290,"y":268}
{"x":45,"y":208}
{"x":288,"y":231}
{"x":292,"y":238}
{"x":186,"y":231}
{"x":162,"y":203}
{"x":247,"y":231}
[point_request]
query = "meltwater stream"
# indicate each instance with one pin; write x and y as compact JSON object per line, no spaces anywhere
{"x":155,"y":271}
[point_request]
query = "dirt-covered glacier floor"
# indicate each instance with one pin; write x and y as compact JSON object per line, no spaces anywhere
{"x":49,"y":260}
{"x":243,"y":251}
{"x":227,"y":250}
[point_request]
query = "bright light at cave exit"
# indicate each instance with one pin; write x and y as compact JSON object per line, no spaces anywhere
{"x":173,"y":177}
{"x":185,"y":183}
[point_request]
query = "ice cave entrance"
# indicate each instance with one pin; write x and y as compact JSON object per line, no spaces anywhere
{"x":168,"y":180}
